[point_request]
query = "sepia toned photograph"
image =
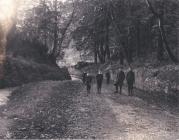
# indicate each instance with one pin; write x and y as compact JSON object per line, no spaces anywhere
{"x":89,"y":69}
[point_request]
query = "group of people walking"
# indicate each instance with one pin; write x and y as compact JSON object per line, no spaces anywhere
{"x":118,"y":80}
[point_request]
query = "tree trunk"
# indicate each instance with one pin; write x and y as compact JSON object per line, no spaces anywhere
{"x":129,"y":46}
{"x":55,"y":31}
{"x":95,"y":57}
{"x":121,"y":57}
{"x":138,"y":39}
{"x":164,"y":38}
{"x":99,"y":56}
{"x":107,"y":50}
{"x":95,"y":53}
{"x":102,"y":52}
{"x":150,"y":42}
{"x":178,"y":37}
{"x":160,"y":49}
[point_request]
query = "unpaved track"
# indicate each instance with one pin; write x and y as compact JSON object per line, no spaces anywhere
{"x":120,"y":117}
{"x":114,"y":117}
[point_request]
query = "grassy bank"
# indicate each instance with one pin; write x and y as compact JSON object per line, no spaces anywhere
{"x":41,"y":110}
{"x":28,"y":61}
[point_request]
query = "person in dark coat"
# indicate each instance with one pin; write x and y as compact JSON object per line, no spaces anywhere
{"x":84,"y":77}
{"x":130,"y":81}
{"x":108,"y":77}
{"x":119,"y":80}
{"x":88,"y":82}
{"x":99,"y":81}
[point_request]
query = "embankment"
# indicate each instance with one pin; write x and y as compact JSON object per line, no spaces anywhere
{"x":27,"y":61}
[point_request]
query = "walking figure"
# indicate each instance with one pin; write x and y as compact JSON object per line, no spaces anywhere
{"x":130,"y":81}
{"x":84,"y":77}
{"x":108,"y":77}
{"x":88,"y":82}
{"x":99,"y":80}
{"x":119,"y":80}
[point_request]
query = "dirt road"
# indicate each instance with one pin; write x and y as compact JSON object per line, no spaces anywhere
{"x":120,"y":117}
{"x":64,"y":110}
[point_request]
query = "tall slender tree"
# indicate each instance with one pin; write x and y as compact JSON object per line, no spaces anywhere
{"x":159,"y":17}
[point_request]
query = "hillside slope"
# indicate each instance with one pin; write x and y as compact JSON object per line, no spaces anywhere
{"x":26,"y":61}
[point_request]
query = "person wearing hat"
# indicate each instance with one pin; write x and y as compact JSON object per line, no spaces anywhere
{"x":119,"y":80}
{"x":130,"y":81}
{"x":88,"y":82}
{"x":99,"y":81}
{"x":84,"y":77}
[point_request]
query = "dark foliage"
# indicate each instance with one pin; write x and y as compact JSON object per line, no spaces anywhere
{"x":137,"y":30}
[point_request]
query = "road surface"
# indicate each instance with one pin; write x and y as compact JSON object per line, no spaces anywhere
{"x":105,"y":116}
{"x":120,"y":117}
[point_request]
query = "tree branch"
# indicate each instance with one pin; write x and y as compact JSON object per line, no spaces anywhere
{"x":151,"y":8}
